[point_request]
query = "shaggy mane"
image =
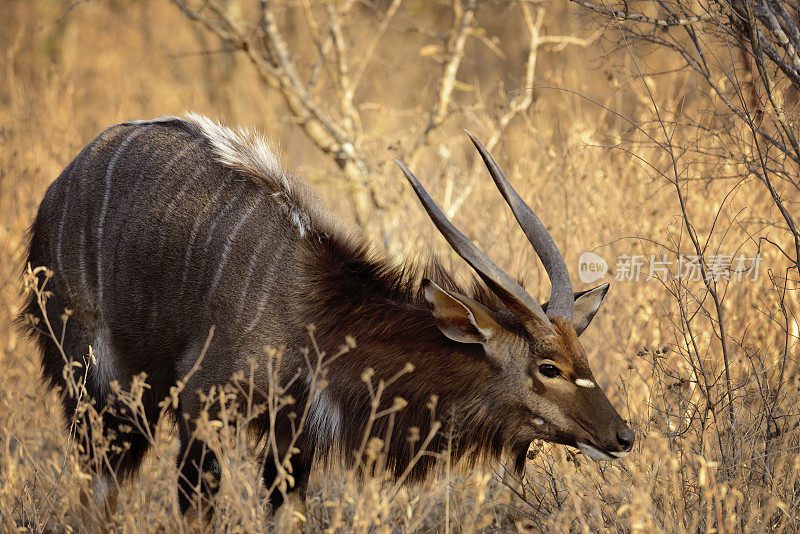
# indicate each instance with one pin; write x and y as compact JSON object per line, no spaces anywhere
{"x":255,"y":156}
{"x":242,"y":148}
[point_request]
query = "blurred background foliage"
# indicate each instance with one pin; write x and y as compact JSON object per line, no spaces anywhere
{"x":621,"y":143}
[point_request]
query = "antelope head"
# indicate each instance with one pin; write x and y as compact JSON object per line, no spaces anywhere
{"x":541,"y":382}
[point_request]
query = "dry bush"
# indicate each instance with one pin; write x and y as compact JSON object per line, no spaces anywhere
{"x":622,"y":148}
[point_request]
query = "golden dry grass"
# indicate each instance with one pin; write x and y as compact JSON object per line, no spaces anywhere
{"x":71,"y":69}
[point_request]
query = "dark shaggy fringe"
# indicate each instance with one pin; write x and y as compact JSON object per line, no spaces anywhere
{"x":352,"y":291}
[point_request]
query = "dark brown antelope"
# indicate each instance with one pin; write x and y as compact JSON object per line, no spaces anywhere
{"x":160,"y":229}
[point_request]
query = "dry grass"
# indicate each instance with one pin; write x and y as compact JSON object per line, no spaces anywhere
{"x":705,"y":459}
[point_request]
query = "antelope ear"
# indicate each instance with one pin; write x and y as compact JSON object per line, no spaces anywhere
{"x":459,"y":317}
{"x":586,"y":305}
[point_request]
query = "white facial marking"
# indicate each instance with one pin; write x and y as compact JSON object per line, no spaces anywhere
{"x":594,"y":453}
{"x":584,"y":383}
{"x":538,"y":420}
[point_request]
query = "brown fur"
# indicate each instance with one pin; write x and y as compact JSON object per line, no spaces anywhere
{"x":154,"y":238}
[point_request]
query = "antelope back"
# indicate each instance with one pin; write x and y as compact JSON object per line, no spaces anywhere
{"x":159,"y":229}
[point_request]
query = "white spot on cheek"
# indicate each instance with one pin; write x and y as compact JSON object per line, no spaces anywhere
{"x":584,"y":383}
{"x":538,"y":420}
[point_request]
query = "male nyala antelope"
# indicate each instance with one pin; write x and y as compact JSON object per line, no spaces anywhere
{"x":160,"y":229}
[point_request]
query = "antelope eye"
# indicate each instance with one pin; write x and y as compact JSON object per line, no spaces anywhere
{"x":549,"y":370}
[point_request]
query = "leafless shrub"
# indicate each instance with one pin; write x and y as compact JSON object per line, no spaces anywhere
{"x":323,"y":96}
{"x":70,"y":68}
{"x":725,"y":394}
{"x":227,"y":434}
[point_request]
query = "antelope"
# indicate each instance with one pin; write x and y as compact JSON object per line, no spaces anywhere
{"x":160,"y":229}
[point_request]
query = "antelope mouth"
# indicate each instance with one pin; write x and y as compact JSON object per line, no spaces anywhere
{"x":596,"y":453}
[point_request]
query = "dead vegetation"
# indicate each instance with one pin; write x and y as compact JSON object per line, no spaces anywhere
{"x":661,"y":166}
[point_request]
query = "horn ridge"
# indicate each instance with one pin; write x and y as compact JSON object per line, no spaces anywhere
{"x":562,"y":302}
{"x":510,"y":292}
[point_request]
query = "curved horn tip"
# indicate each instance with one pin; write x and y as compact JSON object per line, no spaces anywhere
{"x":408,"y":174}
{"x":509,"y":291}
{"x":474,"y":140}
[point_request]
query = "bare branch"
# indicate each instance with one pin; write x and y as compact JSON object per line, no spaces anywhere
{"x":464,"y":17}
{"x":523,"y":100}
{"x":636,"y":17}
{"x":369,"y":50}
{"x":345,"y":84}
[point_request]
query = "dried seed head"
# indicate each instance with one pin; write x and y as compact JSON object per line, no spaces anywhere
{"x":367,"y":374}
{"x":432,"y":402}
{"x":374,"y":448}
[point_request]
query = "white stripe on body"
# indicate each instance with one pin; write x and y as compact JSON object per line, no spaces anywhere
{"x":268,"y":287}
{"x":195,"y":230}
{"x":59,"y":265}
{"x":91,"y":153}
{"x":174,"y":204}
{"x":254,"y":260}
{"x":104,"y":208}
{"x":170,"y":163}
{"x":104,"y":362}
{"x":220,"y":216}
{"x":226,"y":250}
{"x":301,"y":225}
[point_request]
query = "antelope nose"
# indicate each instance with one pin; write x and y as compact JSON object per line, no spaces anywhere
{"x":626,"y":439}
